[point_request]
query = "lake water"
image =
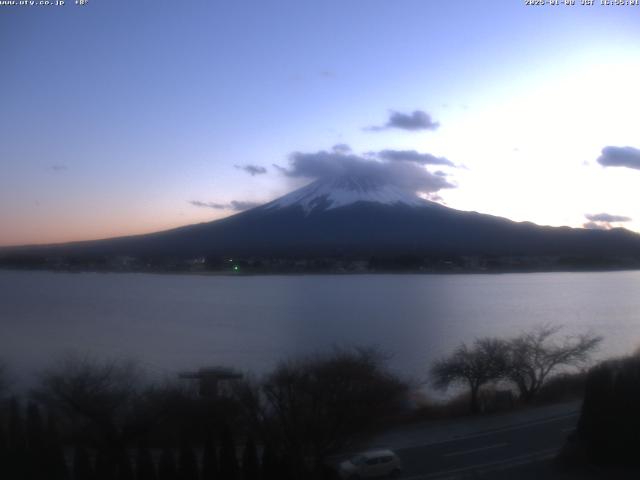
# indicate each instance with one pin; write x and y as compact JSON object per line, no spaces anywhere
{"x":176,"y":322}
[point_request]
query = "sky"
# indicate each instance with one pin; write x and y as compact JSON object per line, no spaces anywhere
{"x":121,"y":117}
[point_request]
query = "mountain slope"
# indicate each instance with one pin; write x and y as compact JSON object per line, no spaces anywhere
{"x":359,"y":218}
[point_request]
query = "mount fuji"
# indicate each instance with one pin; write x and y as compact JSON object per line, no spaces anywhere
{"x":341,"y":191}
{"x":356,"y":217}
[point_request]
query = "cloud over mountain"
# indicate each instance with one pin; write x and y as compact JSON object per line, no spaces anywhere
{"x":408,"y":176}
{"x":603,"y":221}
{"x":595,"y":226}
{"x":606,"y":217}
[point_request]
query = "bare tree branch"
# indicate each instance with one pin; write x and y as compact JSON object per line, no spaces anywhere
{"x":320,"y":404}
{"x":109,"y":397}
{"x":475,"y":366}
{"x":536,"y":354}
{"x":4,"y":380}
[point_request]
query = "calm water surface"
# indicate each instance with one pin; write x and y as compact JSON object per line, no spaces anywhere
{"x":173,"y":322}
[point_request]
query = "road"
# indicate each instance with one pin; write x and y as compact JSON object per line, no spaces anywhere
{"x":503,"y":448}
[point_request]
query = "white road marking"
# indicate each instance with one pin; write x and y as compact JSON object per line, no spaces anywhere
{"x":474,"y":450}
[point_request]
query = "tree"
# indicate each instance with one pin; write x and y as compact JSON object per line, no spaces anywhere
{"x":36,"y":443}
{"x":322,"y":404}
{"x":16,"y":442}
{"x":535,"y":355}
{"x":187,"y":462}
{"x":105,"y":465}
{"x":485,"y":361}
{"x":97,"y":393}
{"x":4,"y":381}
{"x":167,"y":467}
{"x":145,"y":468}
{"x":209,"y":460}
{"x":56,"y":462}
{"x":286,"y":468}
{"x":82,"y":468}
{"x":106,"y":399}
{"x":4,"y":447}
{"x":250,"y":465}
{"x":228,"y":458}
{"x":125,"y":469}
{"x":269,"y":464}
{"x":609,"y":422}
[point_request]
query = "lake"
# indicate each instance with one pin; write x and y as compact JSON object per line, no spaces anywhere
{"x":176,"y":322}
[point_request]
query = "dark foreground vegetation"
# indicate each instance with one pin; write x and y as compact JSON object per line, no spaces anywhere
{"x":96,"y":420}
{"x":608,"y":431}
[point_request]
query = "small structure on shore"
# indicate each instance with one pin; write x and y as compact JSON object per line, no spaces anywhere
{"x":209,"y":379}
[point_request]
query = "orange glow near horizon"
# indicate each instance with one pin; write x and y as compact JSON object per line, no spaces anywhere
{"x":48,"y":231}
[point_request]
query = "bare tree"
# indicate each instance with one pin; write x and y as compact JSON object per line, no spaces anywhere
{"x":320,"y":404}
{"x":536,"y":354}
{"x":485,"y":361}
{"x":107,"y":399}
{"x":4,"y":381}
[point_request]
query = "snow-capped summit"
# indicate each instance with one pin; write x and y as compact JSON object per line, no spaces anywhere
{"x":339,"y":191}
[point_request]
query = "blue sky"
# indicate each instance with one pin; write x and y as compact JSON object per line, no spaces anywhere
{"x":117,"y":114}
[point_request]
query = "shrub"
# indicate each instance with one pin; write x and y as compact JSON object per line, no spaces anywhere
{"x":609,"y":425}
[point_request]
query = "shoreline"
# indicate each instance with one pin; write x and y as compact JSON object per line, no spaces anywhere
{"x":226,"y":273}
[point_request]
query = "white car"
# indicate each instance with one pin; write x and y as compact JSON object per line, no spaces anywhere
{"x":371,"y":464}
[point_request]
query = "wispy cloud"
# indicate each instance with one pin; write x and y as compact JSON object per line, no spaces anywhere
{"x":413,"y":156}
{"x":341,"y":148}
{"x":416,"y":120}
{"x":59,"y":168}
{"x":217,"y":206}
{"x":252,"y":169}
{"x":234,"y":205}
{"x":241,"y":205}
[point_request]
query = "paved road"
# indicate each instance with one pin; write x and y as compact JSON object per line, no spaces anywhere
{"x":500,"y":449}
